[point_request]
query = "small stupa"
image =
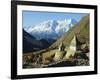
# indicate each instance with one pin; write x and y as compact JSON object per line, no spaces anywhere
{"x":59,"y":53}
{"x":61,"y":47}
{"x":71,"y":50}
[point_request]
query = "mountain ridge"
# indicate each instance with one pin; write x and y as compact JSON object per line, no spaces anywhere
{"x":51,"y":29}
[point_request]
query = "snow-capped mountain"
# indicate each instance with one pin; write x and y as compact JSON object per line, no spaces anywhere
{"x":51,"y":29}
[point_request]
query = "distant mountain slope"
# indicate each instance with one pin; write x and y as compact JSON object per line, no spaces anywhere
{"x":51,"y":29}
{"x":27,"y":39}
{"x":80,"y":30}
{"x":31,"y":44}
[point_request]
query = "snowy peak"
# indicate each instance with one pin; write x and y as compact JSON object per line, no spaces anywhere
{"x":72,"y":21}
{"x":51,"y":29}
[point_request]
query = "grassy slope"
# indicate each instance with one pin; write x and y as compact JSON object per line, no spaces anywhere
{"x":81,"y":30}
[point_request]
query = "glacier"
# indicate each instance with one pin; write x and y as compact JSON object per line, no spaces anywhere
{"x":50,"y":29}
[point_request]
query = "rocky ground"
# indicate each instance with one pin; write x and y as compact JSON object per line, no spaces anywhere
{"x":46,"y":59}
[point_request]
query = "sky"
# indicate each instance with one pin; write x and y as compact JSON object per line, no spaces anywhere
{"x":31,"y":18}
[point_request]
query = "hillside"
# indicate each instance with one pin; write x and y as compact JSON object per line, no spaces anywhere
{"x":80,"y":30}
{"x":30,"y":43}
